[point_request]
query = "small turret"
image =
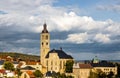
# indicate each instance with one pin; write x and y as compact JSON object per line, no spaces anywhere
{"x":95,"y":60}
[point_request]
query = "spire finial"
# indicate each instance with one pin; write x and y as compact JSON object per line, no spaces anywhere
{"x":45,"y":28}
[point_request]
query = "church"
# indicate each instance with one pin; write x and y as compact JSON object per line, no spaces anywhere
{"x":53,"y":60}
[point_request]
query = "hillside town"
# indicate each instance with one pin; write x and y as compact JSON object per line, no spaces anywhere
{"x":56,"y":63}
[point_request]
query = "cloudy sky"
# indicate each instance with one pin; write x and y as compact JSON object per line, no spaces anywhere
{"x":83,"y":28}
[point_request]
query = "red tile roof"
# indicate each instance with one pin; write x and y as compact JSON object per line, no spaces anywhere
{"x":2,"y":71}
{"x":32,"y":63}
{"x":30,"y":73}
{"x":85,"y":66}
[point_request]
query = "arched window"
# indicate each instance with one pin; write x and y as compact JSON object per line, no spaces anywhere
{"x":42,"y":43}
{"x":46,"y":36}
{"x":60,"y":64}
{"x":42,"y":36}
{"x":47,"y":62}
{"x":47,"y":43}
{"x":51,"y":62}
{"x":25,"y":76}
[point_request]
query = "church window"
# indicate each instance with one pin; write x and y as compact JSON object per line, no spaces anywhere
{"x":47,"y":43}
{"x":46,"y":36}
{"x":56,"y":63}
{"x":55,"y":68}
{"x":42,"y":36}
{"x":63,"y":64}
{"x":47,"y":62}
{"x":42,"y":43}
{"x":51,"y":62}
{"x":60,"y":64}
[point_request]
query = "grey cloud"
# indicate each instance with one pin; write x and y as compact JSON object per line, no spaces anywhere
{"x":101,"y":56}
{"x":88,"y":47}
{"x":114,"y":7}
{"x":20,"y":28}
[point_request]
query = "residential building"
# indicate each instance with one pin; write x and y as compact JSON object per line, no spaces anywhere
{"x":81,"y":70}
{"x":27,"y":72}
{"x":33,"y":64}
{"x":105,"y":67}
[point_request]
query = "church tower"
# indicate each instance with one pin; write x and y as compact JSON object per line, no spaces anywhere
{"x":44,"y":44}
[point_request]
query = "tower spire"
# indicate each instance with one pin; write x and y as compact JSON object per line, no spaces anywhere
{"x":44,"y":44}
{"x":44,"y":28}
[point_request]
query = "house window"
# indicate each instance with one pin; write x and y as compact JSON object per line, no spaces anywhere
{"x":25,"y":76}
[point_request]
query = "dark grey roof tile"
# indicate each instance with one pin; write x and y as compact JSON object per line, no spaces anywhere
{"x":60,"y":53}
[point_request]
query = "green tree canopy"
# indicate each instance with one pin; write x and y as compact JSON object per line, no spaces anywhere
{"x":101,"y":74}
{"x":110,"y":75}
{"x":62,"y":75}
{"x":93,"y":75}
{"x":37,"y":73}
{"x":18,"y":72}
{"x":118,"y":70}
{"x":8,"y":66}
{"x":69,"y":66}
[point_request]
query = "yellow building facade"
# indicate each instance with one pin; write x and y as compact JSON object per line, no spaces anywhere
{"x":44,"y":44}
{"x":53,"y":60}
{"x":106,"y":70}
{"x":81,"y":70}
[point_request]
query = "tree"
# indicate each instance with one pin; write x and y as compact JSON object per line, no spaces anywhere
{"x":37,"y":73}
{"x":118,"y":70}
{"x":93,"y":75}
{"x":69,"y":66}
{"x":97,"y":74}
{"x":8,"y":66}
{"x":102,"y":75}
{"x":63,"y":75}
{"x":110,"y":75}
{"x":18,"y":72}
{"x":70,"y":77}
